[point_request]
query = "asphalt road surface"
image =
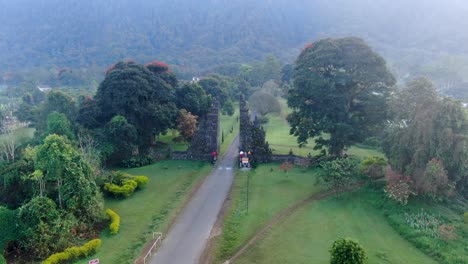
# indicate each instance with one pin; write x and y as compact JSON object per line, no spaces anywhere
{"x":186,"y":240}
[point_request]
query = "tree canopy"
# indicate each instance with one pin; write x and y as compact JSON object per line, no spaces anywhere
{"x":144,"y":98}
{"x":341,"y":89}
{"x":426,"y":127}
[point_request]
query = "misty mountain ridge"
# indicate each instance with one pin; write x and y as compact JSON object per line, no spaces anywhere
{"x":202,"y":34}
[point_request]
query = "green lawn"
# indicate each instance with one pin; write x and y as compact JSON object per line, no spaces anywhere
{"x":281,"y":142}
{"x":148,"y":210}
{"x":168,"y":141}
{"x":226,"y":123}
{"x":269,"y":193}
{"x":306,"y":236}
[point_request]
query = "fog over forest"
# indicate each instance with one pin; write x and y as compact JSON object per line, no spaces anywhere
{"x":193,"y":36}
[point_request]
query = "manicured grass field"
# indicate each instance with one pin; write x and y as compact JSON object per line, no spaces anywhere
{"x":148,"y":210}
{"x":306,"y":236}
{"x":270,"y":191}
{"x":281,"y":142}
{"x":168,"y":140}
{"x":226,"y":123}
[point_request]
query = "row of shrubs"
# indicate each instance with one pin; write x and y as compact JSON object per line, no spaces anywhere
{"x":115,"y":221}
{"x":74,"y":253}
{"x":138,"y":161}
{"x":123,"y":185}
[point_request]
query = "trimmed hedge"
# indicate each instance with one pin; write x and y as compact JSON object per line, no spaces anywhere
{"x":127,"y":188}
{"x":141,"y":181}
{"x":115,"y":221}
{"x":74,"y":253}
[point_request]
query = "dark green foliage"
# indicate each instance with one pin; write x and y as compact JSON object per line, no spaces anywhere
{"x":340,"y":172}
{"x":89,"y":114}
{"x":2,"y":259}
{"x":43,"y":228}
{"x":138,"y":161}
{"x":68,"y":179}
{"x":8,"y":227}
{"x":143,"y":97}
{"x":14,"y":187}
{"x":193,"y":98}
{"x":341,"y":87}
{"x":57,"y":123}
{"x":219,"y":87}
{"x":426,"y":126}
{"x":122,"y":138}
{"x":60,"y":102}
{"x":261,"y":152}
{"x":347,"y":251}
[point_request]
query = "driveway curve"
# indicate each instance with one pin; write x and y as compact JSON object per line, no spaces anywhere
{"x":186,"y":240}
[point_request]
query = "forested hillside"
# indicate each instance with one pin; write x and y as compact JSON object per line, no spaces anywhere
{"x":203,"y":33}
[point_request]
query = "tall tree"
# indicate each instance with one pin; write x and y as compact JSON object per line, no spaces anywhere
{"x":141,"y":96}
{"x":426,"y":127}
{"x":193,"y":98}
{"x":341,"y":88}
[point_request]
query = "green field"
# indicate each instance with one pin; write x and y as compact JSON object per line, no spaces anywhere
{"x":270,"y":191}
{"x":226,"y":123}
{"x":281,"y":142}
{"x":148,"y":210}
{"x":306,"y":236}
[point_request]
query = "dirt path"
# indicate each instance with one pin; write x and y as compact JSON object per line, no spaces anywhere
{"x":285,"y":213}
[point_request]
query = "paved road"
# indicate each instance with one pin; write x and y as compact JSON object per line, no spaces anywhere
{"x":189,"y":235}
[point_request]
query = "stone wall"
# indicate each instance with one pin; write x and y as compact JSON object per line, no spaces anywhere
{"x":296,"y":160}
{"x":206,"y":140}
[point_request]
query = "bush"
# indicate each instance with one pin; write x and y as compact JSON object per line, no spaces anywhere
{"x":115,"y":221}
{"x":127,"y":188}
{"x":140,"y":180}
{"x":340,"y":172}
{"x":347,"y":251}
{"x":374,"y":167}
{"x":74,"y":253}
{"x":398,"y":187}
{"x":2,"y":259}
{"x":138,"y":161}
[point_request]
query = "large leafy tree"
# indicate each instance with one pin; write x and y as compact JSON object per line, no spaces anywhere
{"x":425,"y":128}
{"x":193,"y":98}
{"x":341,"y":90}
{"x":122,"y":138}
{"x":141,"y":95}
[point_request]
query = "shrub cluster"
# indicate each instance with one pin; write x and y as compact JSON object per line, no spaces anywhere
{"x":347,"y":251}
{"x":138,"y":161}
{"x":74,"y":253}
{"x":374,"y":167}
{"x":123,"y":184}
{"x":115,"y":221}
{"x":125,"y":190}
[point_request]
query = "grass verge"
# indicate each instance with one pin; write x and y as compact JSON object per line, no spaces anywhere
{"x":148,"y":210}
{"x":270,"y":191}
{"x":307,"y":235}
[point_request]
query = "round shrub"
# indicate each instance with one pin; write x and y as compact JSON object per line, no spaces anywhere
{"x":115,"y":221}
{"x":374,"y":167}
{"x":141,"y":181}
{"x":347,"y":251}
